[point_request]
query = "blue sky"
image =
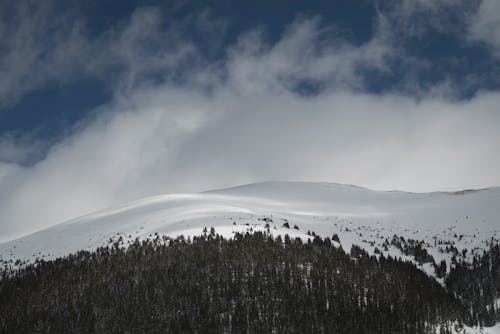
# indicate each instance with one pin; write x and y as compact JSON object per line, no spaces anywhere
{"x":107,"y":101}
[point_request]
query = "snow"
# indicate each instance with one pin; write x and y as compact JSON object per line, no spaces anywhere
{"x":358,"y":215}
{"x":478,"y":330}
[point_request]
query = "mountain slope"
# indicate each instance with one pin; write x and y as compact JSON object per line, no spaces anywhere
{"x":464,"y":220}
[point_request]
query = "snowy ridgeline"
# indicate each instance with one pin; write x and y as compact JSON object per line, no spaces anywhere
{"x":416,"y":226}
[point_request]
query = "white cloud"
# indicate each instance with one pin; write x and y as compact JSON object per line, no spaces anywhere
{"x":306,"y":51}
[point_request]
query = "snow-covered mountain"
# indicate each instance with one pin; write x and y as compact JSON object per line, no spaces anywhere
{"x":444,"y":223}
{"x":464,"y":220}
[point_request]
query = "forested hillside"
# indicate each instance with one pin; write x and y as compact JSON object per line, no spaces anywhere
{"x":251,"y":283}
{"x":477,"y":284}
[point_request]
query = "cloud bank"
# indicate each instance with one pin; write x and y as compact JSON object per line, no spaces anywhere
{"x":294,"y":109}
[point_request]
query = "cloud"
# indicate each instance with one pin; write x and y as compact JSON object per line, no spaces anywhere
{"x":28,"y":32}
{"x":46,"y":42}
{"x":307,"y":52}
{"x":485,"y":25}
{"x":464,"y":20}
{"x":170,"y":140}
{"x":20,"y":149}
{"x":415,"y":18}
{"x":246,"y":118}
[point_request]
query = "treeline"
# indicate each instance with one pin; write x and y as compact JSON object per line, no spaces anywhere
{"x":417,"y":250}
{"x":253,"y":283}
{"x":477,"y":284}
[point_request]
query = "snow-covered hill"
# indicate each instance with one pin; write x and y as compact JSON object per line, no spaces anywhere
{"x":467,"y":219}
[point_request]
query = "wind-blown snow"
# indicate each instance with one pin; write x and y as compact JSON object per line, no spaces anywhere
{"x":358,"y":215}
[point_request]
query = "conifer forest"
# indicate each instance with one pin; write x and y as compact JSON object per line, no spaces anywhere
{"x":252,"y":283}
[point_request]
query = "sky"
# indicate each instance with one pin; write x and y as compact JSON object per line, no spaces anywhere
{"x":103,"y":102}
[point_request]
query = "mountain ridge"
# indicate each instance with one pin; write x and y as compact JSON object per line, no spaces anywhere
{"x":358,"y":215}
